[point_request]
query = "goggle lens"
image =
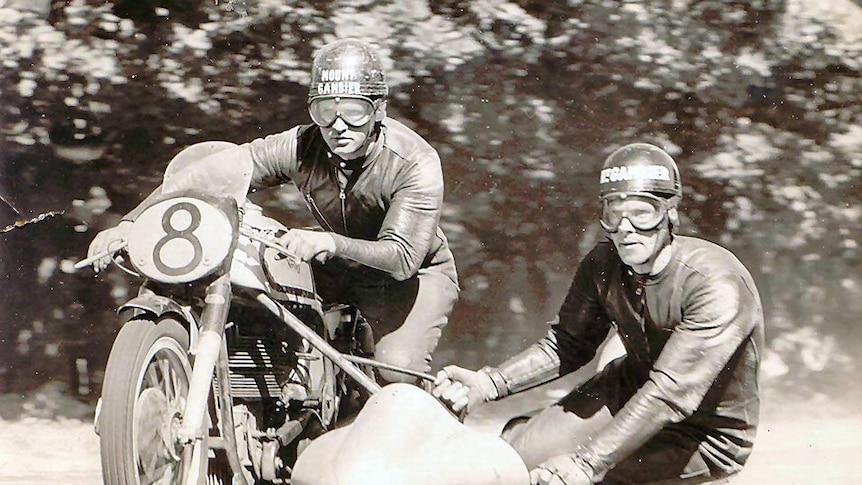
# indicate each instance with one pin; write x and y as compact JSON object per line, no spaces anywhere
{"x":353,"y":111}
{"x":642,"y":211}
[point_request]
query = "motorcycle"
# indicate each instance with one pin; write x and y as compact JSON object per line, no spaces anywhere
{"x":228,"y":362}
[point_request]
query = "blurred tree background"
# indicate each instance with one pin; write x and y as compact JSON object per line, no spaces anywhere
{"x":759,"y":101}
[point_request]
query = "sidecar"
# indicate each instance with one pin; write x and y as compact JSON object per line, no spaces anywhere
{"x":403,"y":436}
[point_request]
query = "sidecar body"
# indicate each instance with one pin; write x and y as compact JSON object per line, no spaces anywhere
{"x":403,"y":436}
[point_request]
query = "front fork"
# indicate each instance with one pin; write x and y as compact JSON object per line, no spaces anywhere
{"x":209,"y":351}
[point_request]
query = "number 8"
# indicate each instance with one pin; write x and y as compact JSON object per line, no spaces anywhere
{"x":186,"y":234}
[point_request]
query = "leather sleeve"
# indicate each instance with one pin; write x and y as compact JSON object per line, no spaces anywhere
{"x":575,"y":336}
{"x":410,"y":225}
{"x":719,"y":313}
{"x":275,"y":158}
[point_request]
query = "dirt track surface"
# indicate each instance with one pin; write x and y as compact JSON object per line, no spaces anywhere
{"x":48,"y":438}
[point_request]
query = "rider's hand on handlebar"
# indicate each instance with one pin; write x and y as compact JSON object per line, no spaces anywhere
{"x":560,"y":470}
{"x":108,"y":241}
{"x":307,"y":245}
{"x":461,"y":388}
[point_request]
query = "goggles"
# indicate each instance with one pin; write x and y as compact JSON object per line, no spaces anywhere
{"x":353,"y":111}
{"x":644,"y":211}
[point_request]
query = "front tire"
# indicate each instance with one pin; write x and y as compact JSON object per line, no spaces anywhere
{"x":143,"y":398}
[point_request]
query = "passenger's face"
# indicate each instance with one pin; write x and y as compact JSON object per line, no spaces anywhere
{"x":637,"y":248}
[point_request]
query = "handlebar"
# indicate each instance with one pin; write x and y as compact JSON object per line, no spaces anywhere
{"x":246,"y":230}
{"x":92,"y":259}
{"x":258,"y":235}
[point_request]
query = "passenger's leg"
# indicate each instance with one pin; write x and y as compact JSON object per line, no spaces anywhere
{"x":671,"y":457}
{"x":554,"y":431}
{"x":577,"y":417}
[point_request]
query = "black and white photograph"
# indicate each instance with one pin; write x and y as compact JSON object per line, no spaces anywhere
{"x":443,"y":242}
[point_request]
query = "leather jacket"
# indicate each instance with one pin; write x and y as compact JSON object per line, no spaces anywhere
{"x":693,"y":335}
{"x":383,"y":210}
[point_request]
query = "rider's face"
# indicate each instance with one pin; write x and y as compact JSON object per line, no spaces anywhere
{"x":638,"y":248}
{"x":350,"y":141}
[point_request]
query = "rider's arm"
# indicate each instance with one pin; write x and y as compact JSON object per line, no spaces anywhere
{"x":410,"y":225}
{"x":275,"y":158}
{"x":575,"y":336}
{"x":719,"y":313}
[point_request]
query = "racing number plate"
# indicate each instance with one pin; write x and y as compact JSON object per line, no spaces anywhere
{"x":180,"y":240}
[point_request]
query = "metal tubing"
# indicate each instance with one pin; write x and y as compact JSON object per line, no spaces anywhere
{"x":383,"y":365}
{"x":319,"y":343}
{"x":206,"y":353}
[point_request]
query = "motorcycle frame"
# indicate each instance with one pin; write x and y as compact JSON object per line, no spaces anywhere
{"x":211,"y":358}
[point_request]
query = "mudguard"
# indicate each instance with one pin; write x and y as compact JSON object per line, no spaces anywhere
{"x":158,"y":306}
{"x":155,"y":304}
{"x":403,"y":436}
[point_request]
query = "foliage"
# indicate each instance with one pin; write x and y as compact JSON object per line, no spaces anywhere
{"x":759,"y":101}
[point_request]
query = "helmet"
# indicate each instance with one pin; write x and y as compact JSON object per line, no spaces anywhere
{"x":640,"y":167}
{"x":347,"y":68}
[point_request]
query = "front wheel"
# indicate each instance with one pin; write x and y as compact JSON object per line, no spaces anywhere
{"x":144,"y":395}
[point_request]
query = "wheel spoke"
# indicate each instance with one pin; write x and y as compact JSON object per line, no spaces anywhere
{"x":151,"y":376}
{"x":159,"y":470}
{"x":168,"y":379}
{"x":148,"y":423}
{"x":149,"y":459}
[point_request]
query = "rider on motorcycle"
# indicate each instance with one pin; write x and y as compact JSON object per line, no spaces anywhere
{"x":682,"y":404}
{"x":376,"y":189}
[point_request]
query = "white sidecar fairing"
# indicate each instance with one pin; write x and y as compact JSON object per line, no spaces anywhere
{"x":403,"y":436}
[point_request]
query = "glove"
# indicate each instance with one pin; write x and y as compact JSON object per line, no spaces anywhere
{"x":461,"y":388}
{"x":106,"y":242}
{"x":562,"y":470}
{"x":307,"y":245}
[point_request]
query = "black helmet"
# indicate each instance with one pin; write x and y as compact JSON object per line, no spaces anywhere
{"x":640,"y":167}
{"x":347,"y":68}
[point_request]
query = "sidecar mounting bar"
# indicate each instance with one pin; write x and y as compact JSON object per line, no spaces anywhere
{"x":383,"y":365}
{"x":319,"y":343}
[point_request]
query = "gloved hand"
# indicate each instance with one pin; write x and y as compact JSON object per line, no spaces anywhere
{"x":106,"y":242}
{"x":307,"y":245}
{"x":461,"y":388}
{"x":561,"y":470}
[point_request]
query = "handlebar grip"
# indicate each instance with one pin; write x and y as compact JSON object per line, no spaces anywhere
{"x":268,"y":242}
{"x":92,"y":259}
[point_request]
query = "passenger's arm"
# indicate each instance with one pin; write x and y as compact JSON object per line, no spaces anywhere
{"x":580,"y":328}
{"x":719,"y":313}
